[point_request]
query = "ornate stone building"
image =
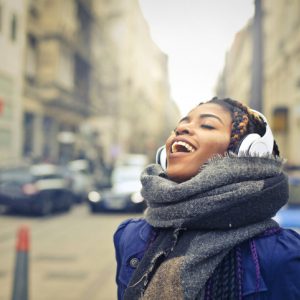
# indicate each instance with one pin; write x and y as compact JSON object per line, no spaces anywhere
{"x":135,"y":81}
{"x":281,"y":90}
{"x":81,"y":78}
{"x":281,"y":75}
{"x":235,"y":79}
{"x":12,"y":20}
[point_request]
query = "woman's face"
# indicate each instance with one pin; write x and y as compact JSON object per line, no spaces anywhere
{"x":204,"y":132}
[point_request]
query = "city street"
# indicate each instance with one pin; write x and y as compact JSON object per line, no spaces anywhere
{"x":71,"y":255}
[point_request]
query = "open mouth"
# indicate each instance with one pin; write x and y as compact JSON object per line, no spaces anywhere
{"x":180,"y":146}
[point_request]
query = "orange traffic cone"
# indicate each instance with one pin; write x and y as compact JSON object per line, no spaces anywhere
{"x":20,"y":284}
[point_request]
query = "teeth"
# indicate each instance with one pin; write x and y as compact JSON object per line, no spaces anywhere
{"x":184,"y":144}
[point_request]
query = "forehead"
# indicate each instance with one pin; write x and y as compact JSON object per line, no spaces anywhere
{"x":211,"y":108}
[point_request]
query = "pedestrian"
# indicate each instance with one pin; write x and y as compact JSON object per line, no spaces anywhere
{"x":208,"y":231}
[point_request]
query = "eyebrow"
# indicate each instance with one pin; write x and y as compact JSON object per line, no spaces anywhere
{"x":202,"y":116}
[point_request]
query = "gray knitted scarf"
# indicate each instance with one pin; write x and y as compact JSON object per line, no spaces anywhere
{"x":199,"y":221}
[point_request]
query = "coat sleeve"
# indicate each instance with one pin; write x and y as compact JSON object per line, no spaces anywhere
{"x":285,"y":267}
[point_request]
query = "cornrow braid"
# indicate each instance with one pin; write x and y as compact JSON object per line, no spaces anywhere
{"x":244,"y":121}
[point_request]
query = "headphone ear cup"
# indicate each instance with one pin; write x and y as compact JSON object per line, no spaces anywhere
{"x":161,"y":157}
{"x":256,"y":145}
{"x":247,"y":142}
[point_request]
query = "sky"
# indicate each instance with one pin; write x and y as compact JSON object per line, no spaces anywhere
{"x":195,"y":34}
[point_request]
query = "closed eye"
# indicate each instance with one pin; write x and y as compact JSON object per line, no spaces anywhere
{"x":207,"y":126}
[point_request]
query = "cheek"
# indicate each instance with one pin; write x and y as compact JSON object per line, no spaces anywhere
{"x":224,"y":140}
{"x":224,"y":143}
{"x":219,"y":145}
{"x":169,"y":139}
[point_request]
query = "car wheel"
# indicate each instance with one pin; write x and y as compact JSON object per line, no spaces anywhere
{"x":68,"y":204}
{"x":93,"y":209}
{"x":46,"y":207}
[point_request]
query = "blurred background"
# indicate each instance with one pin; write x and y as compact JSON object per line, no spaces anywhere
{"x":89,"y":89}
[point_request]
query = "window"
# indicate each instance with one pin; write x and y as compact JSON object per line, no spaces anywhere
{"x":66,"y":68}
{"x":280,"y":118}
{"x":31,"y":57}
{"x":13,"y":28}
{"x":28,"y":127}
{"x":47,"y":132}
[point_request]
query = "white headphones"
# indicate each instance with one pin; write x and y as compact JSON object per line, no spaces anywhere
{"x":161,"y":157}
{"x":255,"y":145}
{"x":252,"y":144}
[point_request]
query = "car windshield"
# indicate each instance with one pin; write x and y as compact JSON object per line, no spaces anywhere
{"x":48,"y":176}
{"x":15,"y":175}
{"x":125,"y":174}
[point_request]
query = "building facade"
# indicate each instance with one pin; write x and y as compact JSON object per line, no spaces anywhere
{"x":80,"y":78}
{"x":135,"y":82}
{"x":57,"y":77}
{"x":281,"y":75}
{"x":235,"y":79}
{"x":12,"y":43}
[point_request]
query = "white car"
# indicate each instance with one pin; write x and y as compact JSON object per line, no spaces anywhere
{"x":123,"y":196}
{"x":82,"y":179}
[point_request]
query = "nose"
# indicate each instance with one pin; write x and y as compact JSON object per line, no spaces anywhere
{"x":183,"y":129}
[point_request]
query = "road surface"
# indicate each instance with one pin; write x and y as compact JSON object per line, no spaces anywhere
{"x":71,"y":255}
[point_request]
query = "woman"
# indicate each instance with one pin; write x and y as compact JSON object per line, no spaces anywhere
{"x":208,"y":232}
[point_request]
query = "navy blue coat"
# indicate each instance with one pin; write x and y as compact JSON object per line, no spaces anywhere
{"x":279,"y":261}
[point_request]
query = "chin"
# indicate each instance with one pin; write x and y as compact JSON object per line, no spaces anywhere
{"x":179,"y":175}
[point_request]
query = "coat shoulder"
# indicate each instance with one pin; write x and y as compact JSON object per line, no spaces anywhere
{"x":130,"y":240}
{"x":279,"y":257}
{"x":279,"y":247}
{"x":132,"y":232}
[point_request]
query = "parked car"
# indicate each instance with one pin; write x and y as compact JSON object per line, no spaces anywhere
{"x":132,"y":159}
{"x":40,"y":189}
{"x":82,"y":179}
{"x":124,"y":195}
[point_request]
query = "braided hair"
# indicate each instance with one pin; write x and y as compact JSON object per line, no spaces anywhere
{"x":244,"y":122}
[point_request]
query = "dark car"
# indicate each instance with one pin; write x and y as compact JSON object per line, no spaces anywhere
{"x":39,"y":189}
{"x":123,"y":196}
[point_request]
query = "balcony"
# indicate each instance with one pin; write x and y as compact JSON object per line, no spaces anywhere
{"x":55,"y":96}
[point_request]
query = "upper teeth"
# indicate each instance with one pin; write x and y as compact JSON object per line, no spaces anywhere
{"x":184,"y":144}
